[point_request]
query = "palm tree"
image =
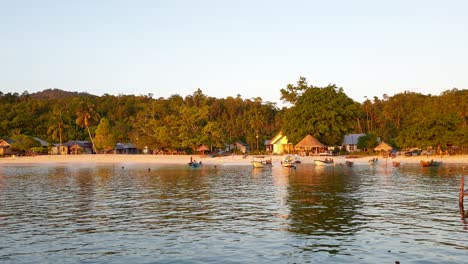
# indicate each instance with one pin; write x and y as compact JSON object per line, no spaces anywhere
{"x":87,"y":116}
{"x":56,"y":125}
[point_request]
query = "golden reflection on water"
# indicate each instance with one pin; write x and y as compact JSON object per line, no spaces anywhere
{"x":309,"y":213}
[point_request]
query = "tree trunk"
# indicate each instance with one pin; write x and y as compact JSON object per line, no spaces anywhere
{"x":92,"y":141}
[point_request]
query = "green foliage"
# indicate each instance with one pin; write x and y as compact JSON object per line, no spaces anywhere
{"x":104,"y":138}
{"x":326,"y":113}
{"x":368,"y":141}
{"x":24,"y":143}
{"x":406,"y":119}
{"x":87,"y":116}
{"x":292,"y":93}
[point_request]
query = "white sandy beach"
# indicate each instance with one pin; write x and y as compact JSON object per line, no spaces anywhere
{"x":227,"y":160}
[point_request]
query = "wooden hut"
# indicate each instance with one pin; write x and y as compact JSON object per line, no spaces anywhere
{"x":202,"y":149}
{"x":309,"y":145}
{"x":5,"y":147}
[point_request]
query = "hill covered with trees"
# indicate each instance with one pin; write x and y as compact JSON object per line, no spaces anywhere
{"x":404,"y":120}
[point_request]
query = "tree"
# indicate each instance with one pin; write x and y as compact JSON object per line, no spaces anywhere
{"x":212,"y":134}
{"x":56,"y":124}
{"x":369,"y":141}
{"x":326,"y":113}
{"x":191,"y":123}
{"x":24,"y":143}
{"x":292,"y":93}
{"x":86,"y":117}
{"x":104,"y":137}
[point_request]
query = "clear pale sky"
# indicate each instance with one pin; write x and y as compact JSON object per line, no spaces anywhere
{"x":247,"y":47}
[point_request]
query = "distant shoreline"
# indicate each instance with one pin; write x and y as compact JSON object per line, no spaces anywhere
{"x":226,"y":160}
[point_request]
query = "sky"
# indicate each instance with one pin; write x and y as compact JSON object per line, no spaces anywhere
{"x":228,"y":48}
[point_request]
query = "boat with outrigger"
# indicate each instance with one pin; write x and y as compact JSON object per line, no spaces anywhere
{"x":261,"y":161}
{"x":288,"y":161}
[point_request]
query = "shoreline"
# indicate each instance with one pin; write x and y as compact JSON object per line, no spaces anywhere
{"x":225,"y":160}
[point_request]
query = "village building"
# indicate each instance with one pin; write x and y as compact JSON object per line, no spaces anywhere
{"x":238,"y":146}
{"x":58,"y":149}
{"x":126,"y":148}
{"x":279,"y":144}
{"x":309,"y":146}
{"x":350,"y":142}
{"x":5,"y":147}
{"x":78,"y":147}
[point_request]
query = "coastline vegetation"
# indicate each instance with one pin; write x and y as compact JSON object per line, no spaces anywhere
{"x":404,"y":120}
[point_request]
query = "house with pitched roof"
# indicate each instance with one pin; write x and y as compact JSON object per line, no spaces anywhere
{"x":350,"y":142}
{"x":279,"y":144}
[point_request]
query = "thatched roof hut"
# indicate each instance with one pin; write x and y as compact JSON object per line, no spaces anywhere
{"x":202,"y":149}
{"x":309,"y":143}
{"x":383,"y":147}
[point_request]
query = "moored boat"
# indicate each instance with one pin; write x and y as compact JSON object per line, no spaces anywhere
{"x":324,"y":162}
{"x":261,"y":161}
{"x":288,"y":161}
{"x":297,"y":159}
{"x":195,"y":164}
{"x":431,"y":163}
{"x":349,"y":163}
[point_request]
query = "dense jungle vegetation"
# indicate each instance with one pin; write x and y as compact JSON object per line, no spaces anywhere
{"x":404,"y":120}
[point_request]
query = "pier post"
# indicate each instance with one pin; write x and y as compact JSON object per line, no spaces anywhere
{"x":461,"y":196}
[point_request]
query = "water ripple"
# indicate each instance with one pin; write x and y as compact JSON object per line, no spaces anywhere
{"x":230,"y":214}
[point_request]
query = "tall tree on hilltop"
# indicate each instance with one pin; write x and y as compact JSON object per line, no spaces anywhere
{"x":327,"y":113}
{"x":86,"y":116}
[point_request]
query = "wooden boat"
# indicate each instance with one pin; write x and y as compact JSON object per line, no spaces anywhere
{"x":324,"y":162}
{"x":195,"y":164}
{"x":349,"y":163}
{"x":430,"y":163}
{"x":288,"y":162}
{"x":395,"y":164}
{"x":297,"y":159}
{"x":261,"y":161}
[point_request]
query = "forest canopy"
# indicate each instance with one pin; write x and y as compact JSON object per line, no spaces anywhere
{"x":405,"y":120}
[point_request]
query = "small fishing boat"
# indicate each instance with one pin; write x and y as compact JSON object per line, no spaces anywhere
{"x":431,"y":163}
{"x":395,"y":164}
{"x":261,"y":161}
{"x":324,"y":162}
{"x":349,"y":163}
{"x":195,"y":164}
{"x":288,"y":161}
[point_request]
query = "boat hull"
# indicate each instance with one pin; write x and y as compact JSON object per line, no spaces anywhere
{"x":430,"y":163}
{"x":258,"y":164}
{"x":323,"y":163}
{"x":288,"y":164}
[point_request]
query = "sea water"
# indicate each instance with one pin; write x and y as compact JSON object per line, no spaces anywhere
{"x":146,"y":213}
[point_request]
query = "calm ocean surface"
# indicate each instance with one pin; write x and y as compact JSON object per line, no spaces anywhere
{"x":231,"y":214}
